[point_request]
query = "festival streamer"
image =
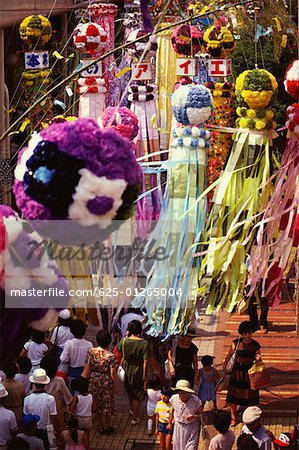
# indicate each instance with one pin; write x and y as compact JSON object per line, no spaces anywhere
{"x":241,"y":195}
{"x":169,"y":296}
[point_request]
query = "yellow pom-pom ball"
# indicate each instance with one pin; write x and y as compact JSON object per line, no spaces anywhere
{"x":269,"y":114}
{"x":243,"y":122}
{"x":251,"y":113}
{"x":260,"y":124}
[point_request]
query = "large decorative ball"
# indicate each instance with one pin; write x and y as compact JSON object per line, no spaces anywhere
{"x":291,"y":79}
{"x":192,"y":105}
{"x":76,"y":171}
{"x":219,"y":41}
{"x":121,"y":119}
{"x":145,"y":45}
{"x":35,"y":31}
{"x":186,"y":40}
{"x":256,"y":88}
{"x":90,"y":38}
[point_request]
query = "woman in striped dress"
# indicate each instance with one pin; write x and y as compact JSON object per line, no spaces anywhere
{"x":248,"y":350}
{"x":186,"y":414}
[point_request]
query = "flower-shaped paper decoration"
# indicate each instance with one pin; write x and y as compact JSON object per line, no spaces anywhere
{"x":192,"y":105}
{"x":291,"y":80}
{"x":90,"y":38}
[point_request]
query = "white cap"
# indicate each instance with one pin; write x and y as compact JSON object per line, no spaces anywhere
{"x":251,"y":414}
{"x":64,"y":314}
{"x":3,"y":391}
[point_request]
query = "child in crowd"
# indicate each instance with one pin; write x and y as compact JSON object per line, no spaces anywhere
{"x":284,"y":441}
{"x":153,"y":396}
{"x":224,"y":439}
{"x":24,"y":368}
{"x":35,"y":349}
{"x":30,"y":426}
{"x":81,"y":405}
{"x":163,"y":427}
{"x":72,"y":438}
{"x":208,"y":379}
{"x":246,"y":442}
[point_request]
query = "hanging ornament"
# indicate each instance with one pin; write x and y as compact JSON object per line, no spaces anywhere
{"x":219,"y":41}
{"x":291,"y":80}
{"x":147,"y":45}
{"x":97,"y":169}
{"x":35,"y":31}
{"x":171,"y":285}
{"x":186,"y":40}
{"x":122,"y":120}
{"x":90,"y":38}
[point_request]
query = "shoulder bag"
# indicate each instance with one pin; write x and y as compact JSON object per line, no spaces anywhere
{"x":232,"y":360}
{"x":167,"y":374}
{"x":121,"y":374}
{"x":51,"y":357}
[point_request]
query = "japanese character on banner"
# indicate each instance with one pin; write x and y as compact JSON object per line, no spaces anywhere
{"x":36,"y":60}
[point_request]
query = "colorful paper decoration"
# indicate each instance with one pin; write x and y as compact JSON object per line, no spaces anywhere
{"x":170,"y":292}
{"x":291,"y":80}
{"x":148,"y":46}
{"x":35,"y":31}
{"x":186,"y":40}
{"x":219,"y":41}
{"x":90,"y":38}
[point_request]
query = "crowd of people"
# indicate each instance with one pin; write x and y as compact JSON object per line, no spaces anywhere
{"x":60,"y":384}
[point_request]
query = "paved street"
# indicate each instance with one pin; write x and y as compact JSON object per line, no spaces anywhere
{"x":280,"y":402}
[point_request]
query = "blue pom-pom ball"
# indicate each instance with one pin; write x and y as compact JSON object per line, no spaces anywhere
{"x":192,"y":105}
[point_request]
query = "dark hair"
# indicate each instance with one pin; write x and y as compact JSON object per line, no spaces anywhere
{"x":154,"y":383}
{"x":49,"y":366}
{"x":103,"y":338}
{"x":246,"y":442}
{"x":166,"y":391}
{"x":72,"y":425}
{"x":246,"y":327}
{"x":39,"y":386}
{"x":24,"y":364}
{"x":65,"y":322}
{"x":80,"y":384}
{"x":78,"y":328}
{"x":10,"y":370}
{"x":207,"y":360}
{"x":135,"y":327}
{"x":38,"y":336}
{"x":222,"y":421}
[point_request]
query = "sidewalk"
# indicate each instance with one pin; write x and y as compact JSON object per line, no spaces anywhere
{"x":279,"y":403}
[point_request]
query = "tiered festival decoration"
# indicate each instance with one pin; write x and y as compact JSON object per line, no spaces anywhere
{"x":97,"y":169}
{"x":242,"y":193}
{"x":35,"y":32}
{"x":91,"y":40}
{"x":174,"y":279}
{"x":219,"y":42}
{"x":143,"y":93}
{"x":104,"y":14}
{"x":24,"y":269}
{"x":186,"y":40}
{"x":278,"y":232}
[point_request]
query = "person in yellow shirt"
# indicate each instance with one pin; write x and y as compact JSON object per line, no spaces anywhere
{"x":164,"y":427}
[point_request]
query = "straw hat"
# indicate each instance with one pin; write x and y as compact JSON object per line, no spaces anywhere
{"x":39,"y":376}
{"x":183,"y":385}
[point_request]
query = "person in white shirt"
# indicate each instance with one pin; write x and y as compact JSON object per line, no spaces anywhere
{"x":30,"y":426}
{"x":35,"y":349}
{"x":253,"y":426}
{"x":62,"y":333}
{"x":153,"y":397}
{"x":41,"y":404}
{"x":82,"y":406}
{"x":24,"y":367}
{"x":75,"y":351}
{"x":8,"y":423}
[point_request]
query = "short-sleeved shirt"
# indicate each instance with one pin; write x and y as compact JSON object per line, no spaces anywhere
{"x":261,"y":436}
{"x":60,"y":335}
{"x":183,"y":410}
{"x":40,"y":404}
{"x":163,"y":410}
{"x":184,"y":357}
{"x":223,"y":441}
{"x":35,"y":352}
{"x":8,"y":424}
{"x":75,"y":351}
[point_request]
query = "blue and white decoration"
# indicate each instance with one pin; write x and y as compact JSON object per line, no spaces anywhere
{"x":37,"y":60}
{"x":169,"y":297}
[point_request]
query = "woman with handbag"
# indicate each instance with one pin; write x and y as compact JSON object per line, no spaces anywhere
{"x":101,"y":369}
{"x":136,"y":354}
{"x":243,"y":352}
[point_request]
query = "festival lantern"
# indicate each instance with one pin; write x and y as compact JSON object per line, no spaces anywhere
{"x":242,"y":193}
{"x":104,"y":14}
{"x":278,"y":232}
{"x":91,"y":40}
{"x":183,"y":213}
{"x":35,"y":32}
{"x":23,"y":269}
